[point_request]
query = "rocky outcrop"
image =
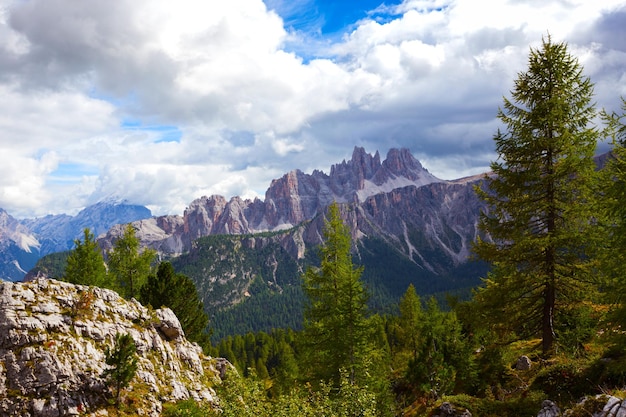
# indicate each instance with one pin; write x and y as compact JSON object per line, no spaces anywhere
{"x":53,"y":337}
{"x":549,"y":409}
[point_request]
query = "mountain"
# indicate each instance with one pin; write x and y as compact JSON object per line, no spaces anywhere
{"x":19,"y":248}
{"x":289,"y":201}
{"x":246,"y":256}
{"x":53,"y":339}
{"x":23,"y":242}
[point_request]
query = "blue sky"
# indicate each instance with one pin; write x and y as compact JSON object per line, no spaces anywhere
{"x":327,"y":17}
{"x":160,"y":103}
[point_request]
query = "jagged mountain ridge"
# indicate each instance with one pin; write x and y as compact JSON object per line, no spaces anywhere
{"x":290,"y":200}
{"x":23,"y":242}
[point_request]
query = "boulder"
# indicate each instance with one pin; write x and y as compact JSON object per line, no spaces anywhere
{"x":549,"y":409}
{"x":523,"y":363}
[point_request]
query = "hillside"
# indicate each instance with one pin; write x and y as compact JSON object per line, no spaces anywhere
{"x":53,"y":337}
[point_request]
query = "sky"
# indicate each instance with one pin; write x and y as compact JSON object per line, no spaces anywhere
{"x":160,"y":102}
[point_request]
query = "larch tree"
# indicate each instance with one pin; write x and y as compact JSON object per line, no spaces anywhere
{"x":538,"y":226}
{"x":411,"y":318}
{"x":614,"y":196}
{"x":128,"y":265}
{"x":335,"y":325}
{"x":85,"y":264}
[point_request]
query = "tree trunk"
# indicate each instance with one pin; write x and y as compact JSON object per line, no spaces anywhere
{"x":547,"y":333}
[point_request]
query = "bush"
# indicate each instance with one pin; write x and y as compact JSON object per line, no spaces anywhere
{"x":186,"y":408}
{"x":563,"y":382}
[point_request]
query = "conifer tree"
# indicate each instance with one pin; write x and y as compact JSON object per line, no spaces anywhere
{"x":178,"y":292}
{"x":538,"y":222}
{"x":614,"y":197}
{"x":85,"y":264}
{"x":122,"y":361}
{"x":128,"y":265}
{"x":335,"y":327}
{"x":411,"y":317}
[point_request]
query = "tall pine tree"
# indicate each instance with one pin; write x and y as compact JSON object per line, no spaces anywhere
{"x":614,"y":195}
{"x":538,"y":222}
{"x":335,"y":327}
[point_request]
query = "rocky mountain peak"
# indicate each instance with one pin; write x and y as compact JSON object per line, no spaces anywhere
{"x":401,"y":163}
{"x":290,"y":200}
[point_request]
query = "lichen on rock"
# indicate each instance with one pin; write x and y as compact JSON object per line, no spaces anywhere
{"x":53,"y":336}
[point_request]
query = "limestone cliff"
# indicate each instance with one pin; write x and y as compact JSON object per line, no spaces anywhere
{"x":53,"y":337}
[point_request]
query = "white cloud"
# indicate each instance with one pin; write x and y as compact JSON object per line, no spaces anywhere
{"x":430,"y":77}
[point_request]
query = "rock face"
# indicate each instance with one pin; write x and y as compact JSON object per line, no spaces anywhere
{"x":397,"y":200}
{"x":53,"y":337}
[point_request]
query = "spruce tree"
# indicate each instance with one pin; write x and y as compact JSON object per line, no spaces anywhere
{"x":538,"y":225}
{"x":85,"y":264}
{"x":128,"y":265}
{"x":178,"y":292}
{"x":335,"y":327}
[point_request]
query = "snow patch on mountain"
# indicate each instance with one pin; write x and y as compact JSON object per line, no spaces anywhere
{"x":26,"y":242}
{"x":370,"y":188}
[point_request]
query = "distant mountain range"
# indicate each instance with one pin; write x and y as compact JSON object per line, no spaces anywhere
{"x":23,"y":242}
{"x":384,"y":194}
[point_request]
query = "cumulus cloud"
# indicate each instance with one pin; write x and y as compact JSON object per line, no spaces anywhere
{"x":89,"y":91}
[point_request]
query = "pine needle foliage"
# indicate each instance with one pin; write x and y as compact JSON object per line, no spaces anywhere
{"x":85,"y":264}
{"x":122,"y":361}
{"x":538,"y":230}
{"x":335,"y":325}
{"x":178,"y":292}
{"x":128,"y":265}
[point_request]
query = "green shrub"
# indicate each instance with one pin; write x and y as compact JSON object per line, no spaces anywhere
{"x":186,"y":408}
{"x":563,"y":382}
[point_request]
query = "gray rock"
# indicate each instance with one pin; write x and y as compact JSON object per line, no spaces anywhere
{"x":523,"y":363}
{"x":549,"y":409}
{"x":448,"y":410}
{"x":52,"y":353}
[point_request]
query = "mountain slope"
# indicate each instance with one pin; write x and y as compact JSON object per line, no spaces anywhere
{"x":19,"y":248}
{"x":53,"y":337}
